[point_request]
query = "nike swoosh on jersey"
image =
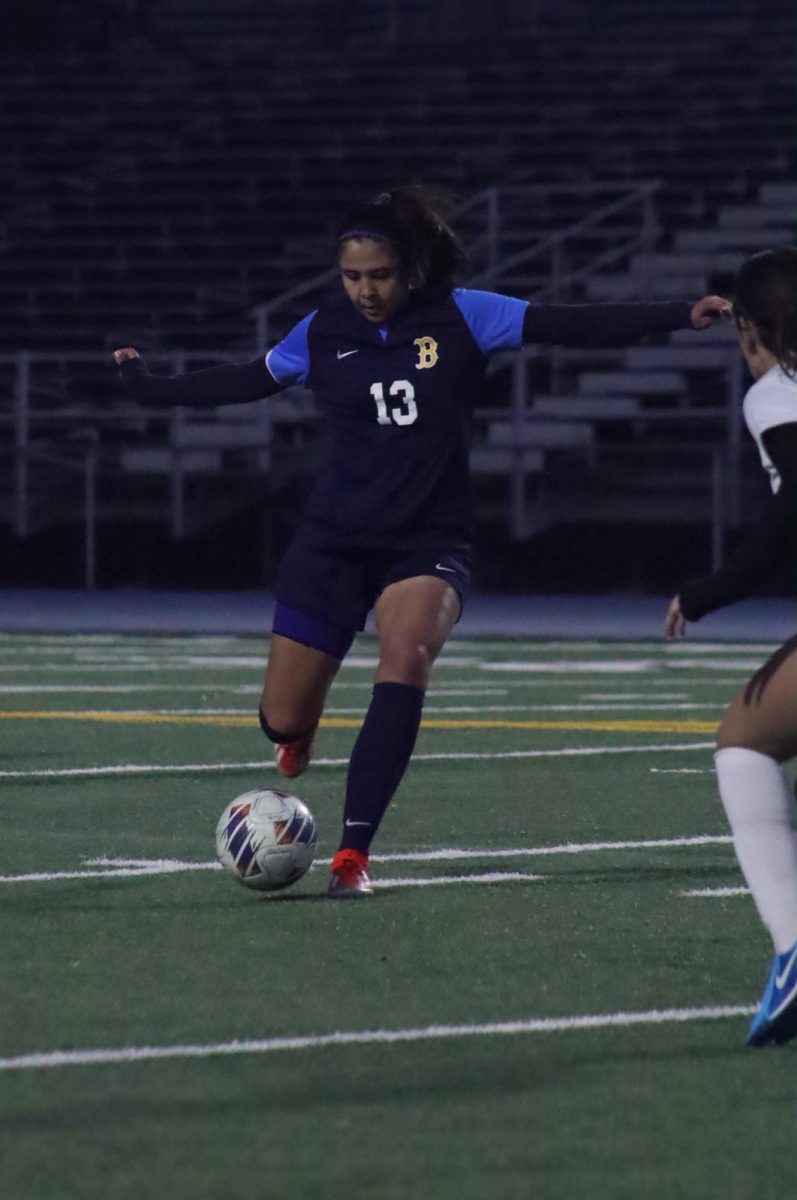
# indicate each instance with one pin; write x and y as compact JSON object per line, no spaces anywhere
{"x":346,"y":353}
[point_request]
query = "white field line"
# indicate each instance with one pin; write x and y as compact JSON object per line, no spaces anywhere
{"x":213,"y":662}
{"x":616,"y":666}
{"x":623,"y":666}
{"x":443,"y":690}
{"x":125,"y":769}
{"x":455,"y":853}
{"x":25,"y":689}
{"x":461,"y":854}
{"x":363,"y":1037}
{"x":174,"y":867}
{"x":636,"y":707}
{"x":456,"y":649}
{"x":227,"y":660}
{"x":609,"y":700}
{"x":461,"y":644}
{"x":539,"y":667}
{"x":724,"y":647}
{"x":438,"y":880}
{"x":719,"y":664}
{"x":114,"y":689}
{"x":681,"y":770}
{"x":40,"y":643}
{"x":635,"y":695}
{"x":126,"y":867}
{"x":609,"y":646}
{"x":501,"y":688}
{"x":182,"y":662}
{"x":164,"y":867}
{"x":123,"y":668}
{"x":715,"y":893}
{"x":359,"y":710}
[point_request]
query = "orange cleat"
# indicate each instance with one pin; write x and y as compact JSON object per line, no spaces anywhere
{"x":350,"y":879}
{"x":293,"y":758}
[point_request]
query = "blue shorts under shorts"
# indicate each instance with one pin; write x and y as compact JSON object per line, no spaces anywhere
{"x":324,"y":595}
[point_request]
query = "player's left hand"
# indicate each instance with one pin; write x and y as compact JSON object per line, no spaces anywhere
{"x":675,"y":621}
{"x":706,"y":311}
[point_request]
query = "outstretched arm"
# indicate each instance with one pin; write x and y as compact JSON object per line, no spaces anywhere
{"x":231,"y":384}
{"x":766,"y":544}
{"x":617,"y":324}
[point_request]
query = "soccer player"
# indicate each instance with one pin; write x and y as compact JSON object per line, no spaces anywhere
{"x":396,"y":366}
{"x":759,"y":728}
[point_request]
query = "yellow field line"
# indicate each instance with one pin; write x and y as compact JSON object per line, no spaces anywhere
{"x":244,"y":722}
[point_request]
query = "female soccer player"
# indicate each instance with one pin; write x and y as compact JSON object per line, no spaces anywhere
{"x":396,"y":367}
{"x":759,"y":729}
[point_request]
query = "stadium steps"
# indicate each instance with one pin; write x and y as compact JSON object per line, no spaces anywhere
{"x":668,"y":486}
{"x":197,"y":161}
{"x":202,"y":147}
{"x":651,"y":389}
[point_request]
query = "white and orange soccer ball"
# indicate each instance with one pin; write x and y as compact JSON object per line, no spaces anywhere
{"x":266,"y":839}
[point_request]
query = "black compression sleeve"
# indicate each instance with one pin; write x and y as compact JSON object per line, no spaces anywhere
{"x":602,"y":324}
{"x":231,"y":384}
{"x":772,"y":537}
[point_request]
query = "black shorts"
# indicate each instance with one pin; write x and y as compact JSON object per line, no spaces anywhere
{"x":324,"y":595}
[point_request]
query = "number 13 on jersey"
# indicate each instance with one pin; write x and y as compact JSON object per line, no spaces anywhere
{"x":403,"y":413}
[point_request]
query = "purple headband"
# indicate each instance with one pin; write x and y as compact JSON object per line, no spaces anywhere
{"x":369,"y":233}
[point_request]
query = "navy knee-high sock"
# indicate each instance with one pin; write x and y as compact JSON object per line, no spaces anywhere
{"x":379,"y":760}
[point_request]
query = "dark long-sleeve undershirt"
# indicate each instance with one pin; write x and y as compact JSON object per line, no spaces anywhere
{"x":772,"y":537}
{"x":592,"y":325}
{"x":237,"y":383}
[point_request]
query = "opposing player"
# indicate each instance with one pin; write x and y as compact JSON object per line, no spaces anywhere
{"x":396,"y":367}
{"x":759,"y":729}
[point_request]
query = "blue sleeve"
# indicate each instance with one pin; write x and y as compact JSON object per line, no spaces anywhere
{"x":495,"y":321}
{"x":289,"y":360}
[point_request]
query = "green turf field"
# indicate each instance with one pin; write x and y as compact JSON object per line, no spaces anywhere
{"x":535,"y":1005}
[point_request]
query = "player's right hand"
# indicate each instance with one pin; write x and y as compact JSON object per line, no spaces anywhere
{"x":675,"y":621}
{"x":708,"y":310}
{"x":124,"y":355}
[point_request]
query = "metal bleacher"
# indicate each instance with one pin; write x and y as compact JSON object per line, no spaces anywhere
{"x":173,"y":188}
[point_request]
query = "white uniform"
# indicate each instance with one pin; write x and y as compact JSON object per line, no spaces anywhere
{"x":772,"y":400}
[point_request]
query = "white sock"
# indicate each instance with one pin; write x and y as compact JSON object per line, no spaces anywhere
{"x":760,"y":808}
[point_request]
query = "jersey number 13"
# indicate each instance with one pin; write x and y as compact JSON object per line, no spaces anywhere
{"x":405,"y":412}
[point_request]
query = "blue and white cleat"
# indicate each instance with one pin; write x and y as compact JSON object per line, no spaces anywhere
{"x":776,"y":1018}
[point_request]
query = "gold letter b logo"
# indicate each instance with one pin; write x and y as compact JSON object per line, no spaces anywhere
{"x":427,"y":352}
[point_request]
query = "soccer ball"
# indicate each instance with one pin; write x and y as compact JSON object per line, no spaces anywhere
{"x":266,"y":839}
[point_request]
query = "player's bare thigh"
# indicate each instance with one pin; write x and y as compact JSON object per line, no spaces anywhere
{"x":298,"y":678}
{"x":414,"y":618}
{"x":763,"y":716}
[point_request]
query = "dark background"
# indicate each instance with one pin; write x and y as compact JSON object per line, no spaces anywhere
{"x":113,"y":111}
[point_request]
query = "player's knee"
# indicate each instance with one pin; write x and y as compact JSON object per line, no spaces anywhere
{"x":406,"y":662}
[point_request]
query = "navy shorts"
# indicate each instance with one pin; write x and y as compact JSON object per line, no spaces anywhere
{"x":324,"y":595}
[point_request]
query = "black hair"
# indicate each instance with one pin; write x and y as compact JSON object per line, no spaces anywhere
{"x":766,"y":294}
{"x":414,"y":220}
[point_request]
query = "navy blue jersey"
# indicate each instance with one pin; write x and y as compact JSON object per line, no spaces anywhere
{"x":397,"y":407}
